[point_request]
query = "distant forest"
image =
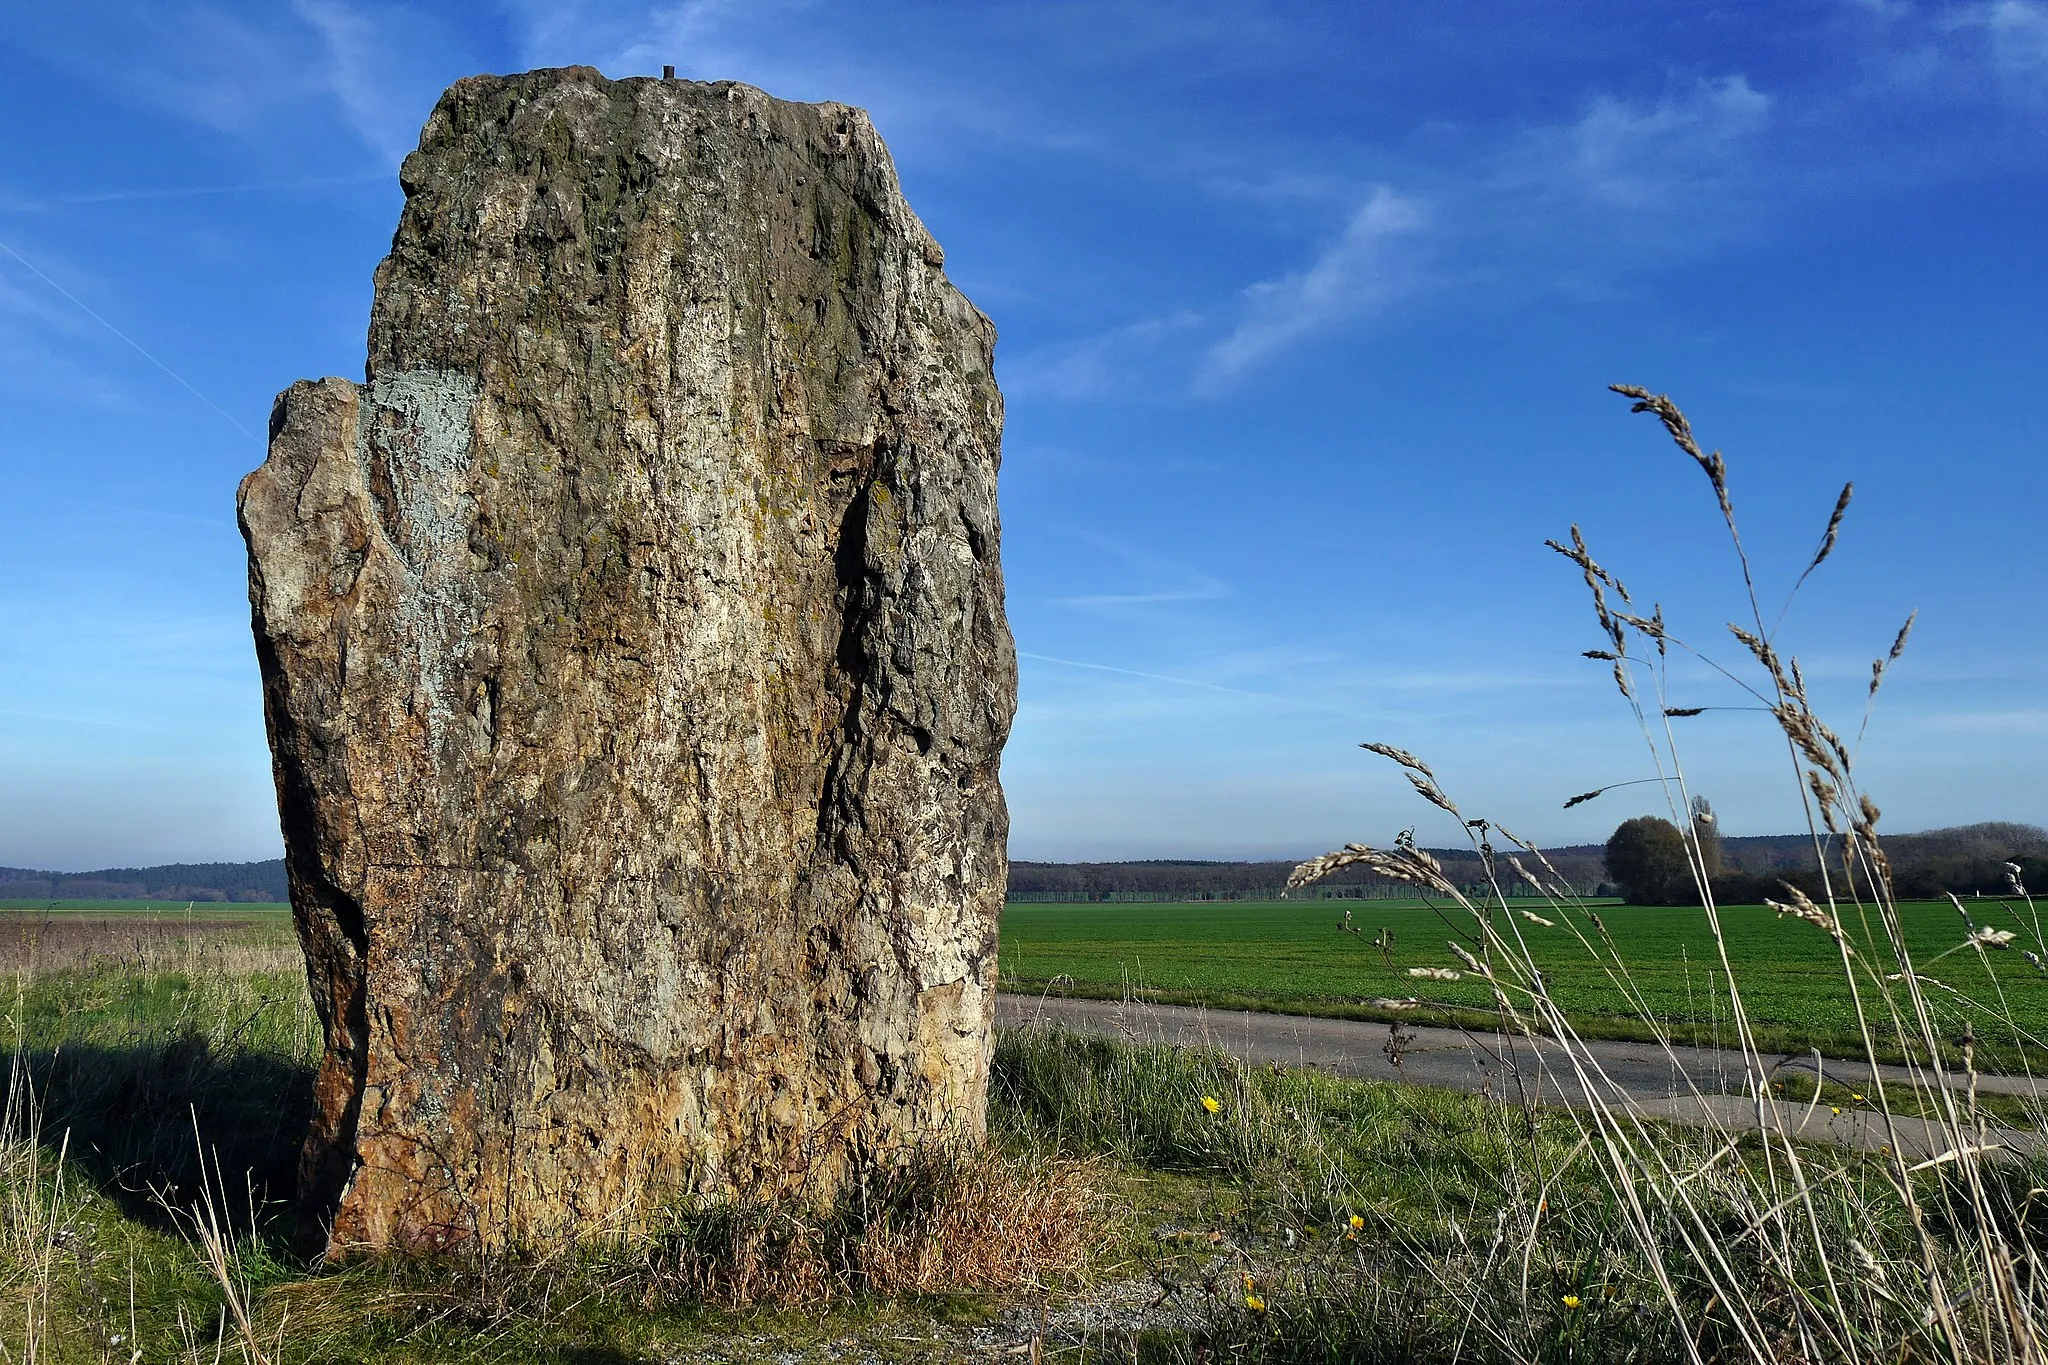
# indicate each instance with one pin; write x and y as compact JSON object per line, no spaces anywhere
{"x":1965,"y":859}
{"x":210,"y":882}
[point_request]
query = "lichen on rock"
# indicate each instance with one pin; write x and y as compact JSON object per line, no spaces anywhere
{"x":636,"y":671}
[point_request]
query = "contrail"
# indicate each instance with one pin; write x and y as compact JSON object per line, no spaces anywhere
{"x":30,"y":267}
{"x":1206,"y":686}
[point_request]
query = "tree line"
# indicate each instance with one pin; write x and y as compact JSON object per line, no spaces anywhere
{"x":1648,"y":864}
{"x":1644,"y":862}
{"x":207,"y":882}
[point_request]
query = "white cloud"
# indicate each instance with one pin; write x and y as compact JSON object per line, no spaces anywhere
{"x":356,"y":70}
{"x":1353,"y":276}
{"x":1170,"y":581}
{"x":1635,"y":157}
{"x":2017,"y":32}
{"x":1990,"y":51}
{"x":1108,"y":362}
{"x":2021,"y":721}
{"x":266,"y":74}
{"x":1623,"y":182}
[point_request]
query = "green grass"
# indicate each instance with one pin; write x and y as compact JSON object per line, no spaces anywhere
{"x":1263,"y":1186}
{"x":1290,"y":956}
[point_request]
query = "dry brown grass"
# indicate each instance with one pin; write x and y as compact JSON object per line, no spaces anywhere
{"x":147,"y":942}
{"x":950,"y":1218}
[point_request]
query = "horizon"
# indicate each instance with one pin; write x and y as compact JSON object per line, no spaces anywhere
{"x":1296,"y":857}
{"x":1306,"y":324}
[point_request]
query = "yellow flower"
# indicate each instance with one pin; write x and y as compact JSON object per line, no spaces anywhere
{"x":1571,"y":1300}
{"x":1255,"y":1303}
{"x":1357,"y":1223}
{"x":1210,"y":1103}
{"x":1856,"y":1097}
{"x":1834,"y":1109}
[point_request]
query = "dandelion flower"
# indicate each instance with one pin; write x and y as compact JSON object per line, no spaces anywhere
{"x":1856,"y":1097}
{"x":1357,"y":1223}
{"x":1255,"y":1303}
{"x":1210,"y":1103}
{"x":1834,"y":1109}
{"x":1571,"y":1300}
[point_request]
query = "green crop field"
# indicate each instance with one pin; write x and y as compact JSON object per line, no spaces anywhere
{"x":1291,"y":956}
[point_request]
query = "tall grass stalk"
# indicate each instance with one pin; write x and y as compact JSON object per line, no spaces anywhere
{"x":1799,"y":1275}
{"x":33,"y":1217}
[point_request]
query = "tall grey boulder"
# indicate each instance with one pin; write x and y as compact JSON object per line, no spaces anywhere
{"x":636,"y":672}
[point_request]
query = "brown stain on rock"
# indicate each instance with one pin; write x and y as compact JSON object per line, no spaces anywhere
{"x":636,"y":670}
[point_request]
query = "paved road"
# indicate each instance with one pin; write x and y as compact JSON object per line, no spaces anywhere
{"x":1688,"y":1085}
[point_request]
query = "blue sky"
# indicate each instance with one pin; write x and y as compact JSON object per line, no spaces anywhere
{"x":1306,"y":311}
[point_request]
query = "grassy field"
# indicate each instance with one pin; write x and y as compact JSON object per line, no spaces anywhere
{"x":206,"y":909}
{"x":1291,"y":956}
{"x":1231,"y":1213}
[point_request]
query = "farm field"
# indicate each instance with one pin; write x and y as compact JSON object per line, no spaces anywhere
{"x":1192,"y":1209}
{"x":1291,"y":956}
{"x":201,"y":909}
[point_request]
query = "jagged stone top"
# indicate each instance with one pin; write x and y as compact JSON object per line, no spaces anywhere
{"x":567,"y":168}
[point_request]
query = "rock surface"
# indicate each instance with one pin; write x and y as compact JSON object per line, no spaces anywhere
{"x":636,"y":672}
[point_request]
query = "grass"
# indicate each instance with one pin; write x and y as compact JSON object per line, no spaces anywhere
{"x":196,"y":909}
{"x":149,"y":1150}
{"x":1291,"y":957}
{"x":1477,"y":1223}
{"x":1481,"y":1233}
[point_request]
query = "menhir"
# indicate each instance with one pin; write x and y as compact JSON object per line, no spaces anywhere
{"x":636,"y":673}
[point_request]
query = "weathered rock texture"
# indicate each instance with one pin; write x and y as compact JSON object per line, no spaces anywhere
{"x":635,"y":668}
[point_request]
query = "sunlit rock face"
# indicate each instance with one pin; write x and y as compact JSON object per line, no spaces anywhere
{"x":636,"y":672}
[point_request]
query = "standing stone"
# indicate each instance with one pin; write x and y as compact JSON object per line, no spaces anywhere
{"x":636,"y":673}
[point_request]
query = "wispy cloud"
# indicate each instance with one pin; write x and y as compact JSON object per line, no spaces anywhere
{"x":2020,"y":721}
{"x":266,"y":74}
{"x":1169,"y":580}
{"x":1097,"y":366}
{"x":2017,"y":34}
{"x":14,"y":202}
{"x":1177,"y":680}
{"x":101,"y":722}
{"x":382,"y":65}
{"x":1634,"y":158}
{"x":1359,"y":273}
{"x":1625,"y":180}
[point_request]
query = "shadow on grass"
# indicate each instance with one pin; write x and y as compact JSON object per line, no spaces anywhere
{"x":136,"y":1117}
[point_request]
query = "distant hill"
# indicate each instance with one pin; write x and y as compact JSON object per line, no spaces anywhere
{"x":1194,"y":879}
{"x":1963,"y":859}
{"x":172,"y":882}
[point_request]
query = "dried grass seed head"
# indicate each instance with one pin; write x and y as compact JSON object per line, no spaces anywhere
{"x":1400,"y":756}
{"x":1680,"y":431}
{"x":1801,"y":906}
{"x":1899,"y":642}
{"x":1433,"y":794}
